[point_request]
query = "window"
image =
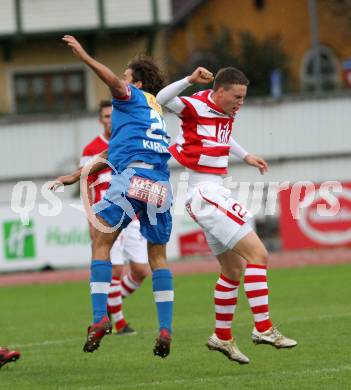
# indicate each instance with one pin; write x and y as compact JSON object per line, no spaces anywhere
{"x":52,"y":92}
{"x":329,"y":70}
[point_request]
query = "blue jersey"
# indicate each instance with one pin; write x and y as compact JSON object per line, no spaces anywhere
{"x":138,"y":132}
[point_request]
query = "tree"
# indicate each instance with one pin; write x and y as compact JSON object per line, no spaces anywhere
{"x":259,"y":59}
{"x":256,"y":58}
{"x":340,"y":8}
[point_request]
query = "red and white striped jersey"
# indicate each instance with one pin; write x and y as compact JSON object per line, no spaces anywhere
{"x":203,"y":142}
{"x":99,"y":182}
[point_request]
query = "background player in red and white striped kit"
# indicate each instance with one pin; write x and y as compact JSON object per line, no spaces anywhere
{"x":203,"y":147}
{"x":130,"y":246}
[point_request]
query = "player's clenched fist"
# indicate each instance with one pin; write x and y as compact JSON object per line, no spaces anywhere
{"x":200,"y":76}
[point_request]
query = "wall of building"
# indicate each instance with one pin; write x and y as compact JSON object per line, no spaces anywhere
{"x":53,"y":54}
{"x":302,"y":140}
{"x":288,"y":19}
{"x":34,"y":43}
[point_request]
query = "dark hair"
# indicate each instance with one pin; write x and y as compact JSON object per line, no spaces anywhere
{"x":144,"y":69}
{"x":226,"y":77}
{"x":103,"y":104}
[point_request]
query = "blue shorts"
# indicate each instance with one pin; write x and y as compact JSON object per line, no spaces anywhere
{"x":118,"y":208}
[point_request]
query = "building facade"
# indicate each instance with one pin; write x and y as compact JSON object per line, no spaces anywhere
{"x":291,"y":21}
{"x":37,"y":71}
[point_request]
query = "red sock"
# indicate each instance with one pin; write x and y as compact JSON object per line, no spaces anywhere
{"x":114,"y":304}
{"x":129,"y":285}
{"x":226,"y":294}
{"x":256,"y":289}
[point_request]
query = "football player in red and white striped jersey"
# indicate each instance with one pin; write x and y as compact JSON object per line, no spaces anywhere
{"x":130,"y":245}
{"x":203,"y":147}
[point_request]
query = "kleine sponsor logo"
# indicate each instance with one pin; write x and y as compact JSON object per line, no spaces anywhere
{"x":327,"y":229}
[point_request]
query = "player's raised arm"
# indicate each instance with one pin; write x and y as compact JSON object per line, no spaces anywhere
{"x":118,"y":87}
{"x":168,"y":95}
{"x":94,"y":166}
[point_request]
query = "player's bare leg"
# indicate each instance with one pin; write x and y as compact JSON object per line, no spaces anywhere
{"x":225,"y":297}
{"x":162,"y":284}
{"x":254,"y":252}
{"x":100,"y":279}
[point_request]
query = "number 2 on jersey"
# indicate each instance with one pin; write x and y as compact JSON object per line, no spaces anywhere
{"x":157,"y":127}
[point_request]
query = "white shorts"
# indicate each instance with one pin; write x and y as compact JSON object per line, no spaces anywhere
{"x":224,"y":221}
{"x":129,"y":246}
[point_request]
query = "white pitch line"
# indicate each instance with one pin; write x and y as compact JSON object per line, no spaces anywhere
{"x":293,"y":373}
{"x":147,"y":332}
{"x":48,"y":342}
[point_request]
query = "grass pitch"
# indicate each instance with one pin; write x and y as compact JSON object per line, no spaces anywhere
{"x":47,"y":323}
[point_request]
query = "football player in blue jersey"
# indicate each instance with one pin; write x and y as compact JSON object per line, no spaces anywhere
{"x":138,"y":155}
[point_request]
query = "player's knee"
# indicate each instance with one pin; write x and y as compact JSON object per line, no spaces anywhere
{"x":101,"y":251}
{"x":157,"y":256}
{"x":157,"y":262}
{"x":264,"y":256}
{"x":233,"y":273}
{"x":117,"y":271}
{"x":259,"y":255}
{"x":140,"y":274}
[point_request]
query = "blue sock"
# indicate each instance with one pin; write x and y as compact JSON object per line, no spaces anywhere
{"x":100,"y":280}
{"x":162,"y":286}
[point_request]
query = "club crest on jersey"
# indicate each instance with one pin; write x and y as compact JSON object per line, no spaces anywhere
{"x":152,"y":102}
{"x":223,"y":133}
